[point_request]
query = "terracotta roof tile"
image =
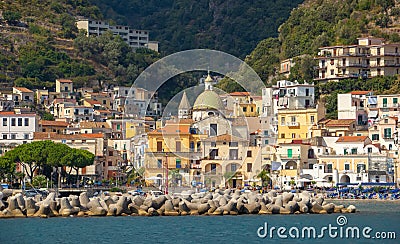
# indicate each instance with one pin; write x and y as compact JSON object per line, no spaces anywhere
{"x":340,"y":122}
{"x":359,"y":92}
{"x":22,"y":89}
{"x":53,"y":123}
{"x":352,"y":139}
{"x":239,"y":93}
{"x":64,"y":81}
{"x":55,"y":136}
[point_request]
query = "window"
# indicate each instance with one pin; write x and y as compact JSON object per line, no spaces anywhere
{"x":178,"y":163}
{"x":354,"y":151}
{"x":375,"y":137}
{"x":118,"y":127}
{"x":369,"y":150}
{"x":312,"y":118}
{"x":345,"y":151}
{"x":265,"y":133}
{"x":249,"y":167}
{"x":26,"y":136}
{"x":4,"y":121}
{"x":178,"y":146}
{"x":290,"y":153}
{"x":266,"y":142}
{"x":233,"y":167}
{"x":233,"y":154}
{"x":293,"y":119}
{"x":387,"y":133}
{"x":385,"y":102}
{"x":26,"y":122}
{"x":347,"y":167}
{"x":233,"y":144}
{"x":213,"y":144}
{"x":159,"y":163}
{"x":244,"y":109}
{"x":213,"y":130}
{"x":395,"y":100}
{"x":329,"y":168}
{"x":13,"y":136}
{"x":249,"y":154}
{"x":13,"y":122}
{"x":19,"y":121}
{"x":293,"y":135}
{"x":360,"y":168}
{"x":282,"y":121}
{"x":109,"y":163}
{"x":282,"y":135}
{"x":4,"y":136}
{"x":159,"y":146}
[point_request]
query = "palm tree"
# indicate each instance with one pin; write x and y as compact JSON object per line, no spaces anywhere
{"x":264,"y":176}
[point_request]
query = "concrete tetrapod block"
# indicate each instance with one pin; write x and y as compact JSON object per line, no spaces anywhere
{"x":287,"y":197}
{"x":169,"y":209}
{"x":274,"y":209}
{"x":263,"y":209}
{"x":13,"y":208}
{"x":292,"y":206}
{"x":44,"y":211}
{"x":203,"y":208}
{"x":66,"y":209}
{"x":31,"y":208}
{"x":351,"y":209}
{"x":317,"y":209}
{"x":338,"y":208}
{"x":84,"y":199}
{"x":329,"y":208}
{"x":252,"y":208}
{"x":95,"y":208}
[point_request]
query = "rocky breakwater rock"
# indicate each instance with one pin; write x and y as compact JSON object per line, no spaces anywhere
{"x":220,"y":202}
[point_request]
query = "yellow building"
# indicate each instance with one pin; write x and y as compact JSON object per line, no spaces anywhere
{"x":296,"y":124}
{"x":176,"y":145}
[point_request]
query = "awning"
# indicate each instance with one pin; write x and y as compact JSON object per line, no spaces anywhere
{"x":372,"y":100}
{"x":373,"y":114}
{"x":275,"y":165}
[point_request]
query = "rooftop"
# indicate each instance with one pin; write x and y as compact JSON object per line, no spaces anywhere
{"x":352,"y":139}
{"x":22,"y":89}
{"x":340,"y":122}
{"x":64,"y":81}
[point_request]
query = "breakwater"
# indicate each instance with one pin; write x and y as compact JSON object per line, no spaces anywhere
{"x":220,"y":202}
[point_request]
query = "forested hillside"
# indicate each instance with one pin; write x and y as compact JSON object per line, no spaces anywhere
{"x":233,"y":26}
{"x":39,"y":42}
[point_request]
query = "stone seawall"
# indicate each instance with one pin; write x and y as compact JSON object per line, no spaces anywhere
{"x":187,"y":203}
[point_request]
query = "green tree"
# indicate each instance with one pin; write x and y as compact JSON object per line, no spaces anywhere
{"x":264,"y":176}
{"x":7,"y":166}
{"x":39,"y":181}
{"x":12,"y":17}
{"x":77,"y":159}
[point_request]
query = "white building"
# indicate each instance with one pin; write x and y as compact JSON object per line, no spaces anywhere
{"x":134,"y":38}
{"x":17,"y":128}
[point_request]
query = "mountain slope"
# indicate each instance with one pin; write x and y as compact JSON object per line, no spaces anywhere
{"x":233,"y":26}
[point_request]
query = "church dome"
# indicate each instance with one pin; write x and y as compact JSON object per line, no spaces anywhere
{"x":208,"y":100}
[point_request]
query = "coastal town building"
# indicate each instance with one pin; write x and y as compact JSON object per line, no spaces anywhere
{"x":370,"y":57}
{"x":134,"y":38}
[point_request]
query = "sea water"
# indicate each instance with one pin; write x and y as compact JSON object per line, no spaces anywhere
{"x":380,"y":216}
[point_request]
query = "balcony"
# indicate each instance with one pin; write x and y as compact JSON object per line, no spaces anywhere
{"x":292,"y":124}
{"x":289,"y":156}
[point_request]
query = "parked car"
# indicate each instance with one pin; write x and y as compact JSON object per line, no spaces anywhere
{"x":156,"y":193}
{"x":34,"y":192}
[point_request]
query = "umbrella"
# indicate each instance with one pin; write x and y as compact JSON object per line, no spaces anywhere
{"x":303,"y":180}
{"x":154,"y":178}
{"x":320,"y":180}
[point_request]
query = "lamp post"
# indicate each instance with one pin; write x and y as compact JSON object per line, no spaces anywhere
{"x":166,"y":174}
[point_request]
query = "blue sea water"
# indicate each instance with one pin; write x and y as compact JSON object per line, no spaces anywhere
{"x":379,"y":216}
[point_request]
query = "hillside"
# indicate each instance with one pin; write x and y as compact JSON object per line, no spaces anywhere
{"x":317,"y":23}
{"x":232,"y":26}
{"x":39,"y":43}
